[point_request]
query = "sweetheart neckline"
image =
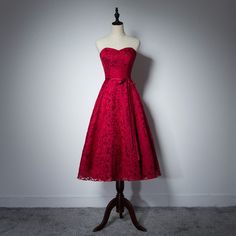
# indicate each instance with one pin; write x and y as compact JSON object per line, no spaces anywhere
{"x":117,"y":49}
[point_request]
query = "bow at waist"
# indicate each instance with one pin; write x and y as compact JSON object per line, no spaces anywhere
{"x":120,"y":80}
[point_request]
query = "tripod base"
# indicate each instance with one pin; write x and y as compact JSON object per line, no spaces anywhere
{"x":119,"y":202}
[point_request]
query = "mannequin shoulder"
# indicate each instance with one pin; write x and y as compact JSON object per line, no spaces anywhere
{"x":134,"y":41}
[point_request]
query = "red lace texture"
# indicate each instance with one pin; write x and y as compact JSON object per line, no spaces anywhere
{"x":118,"y":144}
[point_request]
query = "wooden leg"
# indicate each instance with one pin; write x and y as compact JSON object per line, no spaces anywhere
{"x":109,"y":207}
{"x":130,"y":208}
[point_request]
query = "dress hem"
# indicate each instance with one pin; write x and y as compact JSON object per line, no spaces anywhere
{"x":89,"y":178}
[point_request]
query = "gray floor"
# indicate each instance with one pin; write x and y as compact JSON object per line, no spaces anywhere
{"x":81,"y":221}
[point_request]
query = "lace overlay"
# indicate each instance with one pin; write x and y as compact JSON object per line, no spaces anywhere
{"x":118,"y":144}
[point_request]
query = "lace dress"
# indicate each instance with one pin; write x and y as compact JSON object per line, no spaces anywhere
{"x":118,"y":144}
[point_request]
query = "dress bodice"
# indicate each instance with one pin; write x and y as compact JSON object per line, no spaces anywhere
{"x":117,"y":63}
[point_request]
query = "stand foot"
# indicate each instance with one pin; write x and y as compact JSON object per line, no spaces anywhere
{"x":119,"y":202}
{"x":109,"y":207}
{"x":130,"y":208}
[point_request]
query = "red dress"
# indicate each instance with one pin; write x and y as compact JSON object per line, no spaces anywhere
{"x":118,"y":143}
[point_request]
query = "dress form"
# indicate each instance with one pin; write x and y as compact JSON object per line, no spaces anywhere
{"x":118,"y":40}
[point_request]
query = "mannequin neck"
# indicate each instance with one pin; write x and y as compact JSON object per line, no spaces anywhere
{"x":117,"y":31}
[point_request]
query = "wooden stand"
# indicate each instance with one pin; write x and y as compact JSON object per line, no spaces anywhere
{"x":119,"y":202}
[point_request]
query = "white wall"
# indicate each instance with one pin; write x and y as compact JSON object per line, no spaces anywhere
{"x":50,"y":76}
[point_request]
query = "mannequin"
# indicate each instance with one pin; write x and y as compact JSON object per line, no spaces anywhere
{"x":117,"y":38}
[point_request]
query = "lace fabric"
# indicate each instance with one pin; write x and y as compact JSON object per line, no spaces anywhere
{"x":118,"y":143}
